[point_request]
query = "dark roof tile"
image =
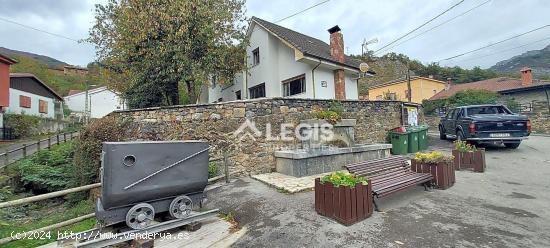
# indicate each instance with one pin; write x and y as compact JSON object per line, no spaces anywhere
{"x":306,"y":44}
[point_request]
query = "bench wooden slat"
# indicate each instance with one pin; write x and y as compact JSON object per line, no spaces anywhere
{"x":388,"y":175}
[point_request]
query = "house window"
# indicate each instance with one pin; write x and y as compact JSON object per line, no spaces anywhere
{"x":294,"y":86}
{"x":256,"y":56}
{"x":24,"y":101}
{"x":42,"y":106}
{"x":257,"y":91}
{"x":238,"y":95}
{"x":220,"y":99}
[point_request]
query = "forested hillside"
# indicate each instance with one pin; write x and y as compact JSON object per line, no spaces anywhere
{"x":54,"y":76}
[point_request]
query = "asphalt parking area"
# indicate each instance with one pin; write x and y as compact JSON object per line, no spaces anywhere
{"x":507,"y":206}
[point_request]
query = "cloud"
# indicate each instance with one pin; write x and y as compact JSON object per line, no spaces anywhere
{"x":359,"y":19}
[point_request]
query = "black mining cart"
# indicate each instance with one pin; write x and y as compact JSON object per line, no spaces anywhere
{"x":143,"y":179}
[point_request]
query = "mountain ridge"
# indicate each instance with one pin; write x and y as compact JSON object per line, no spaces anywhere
{"x":49,"y":61}
{"x":537,"y":60}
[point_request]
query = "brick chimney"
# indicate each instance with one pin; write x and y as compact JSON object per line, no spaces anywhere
{"x":337,"y":53}
{"x":526,"y":76}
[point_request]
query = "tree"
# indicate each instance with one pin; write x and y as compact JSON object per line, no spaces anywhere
{"x":151,"y":47}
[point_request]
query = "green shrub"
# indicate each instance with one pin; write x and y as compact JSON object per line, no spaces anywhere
{"x":23,"y":125}
{"x":87,"y":157}
{"x":47,"y":170}
{"x":463,"y":146}
{"x":343,"y":179}
{"x":213,"y":169}
{"x":333,"y":114}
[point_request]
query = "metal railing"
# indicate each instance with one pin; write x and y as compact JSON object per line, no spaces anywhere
{"x":7,"y":133}
{"x":13,"y":155}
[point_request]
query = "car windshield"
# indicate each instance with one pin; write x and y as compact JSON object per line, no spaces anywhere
{"x":487,"y":110}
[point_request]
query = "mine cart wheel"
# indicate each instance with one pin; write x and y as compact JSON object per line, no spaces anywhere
{"x":181,"y":207}
{"x":140,"y":216}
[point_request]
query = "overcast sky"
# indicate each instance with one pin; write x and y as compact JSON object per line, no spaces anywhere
{"x":358,"y":19}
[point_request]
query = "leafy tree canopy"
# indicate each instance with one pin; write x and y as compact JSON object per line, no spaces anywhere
{"x":151,"y":47}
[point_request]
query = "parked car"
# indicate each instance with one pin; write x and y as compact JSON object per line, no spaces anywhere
{"x":485,"y":124}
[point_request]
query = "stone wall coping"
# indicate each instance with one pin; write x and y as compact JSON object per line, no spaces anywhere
{"x":309,"y":153}
{"x":341,"y":123}
{"x":256,"y":100}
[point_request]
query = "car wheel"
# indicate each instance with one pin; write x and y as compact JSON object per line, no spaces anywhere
{"x":512,"y":145}
{"x":442,"y":135}
{"x":460,"y":136}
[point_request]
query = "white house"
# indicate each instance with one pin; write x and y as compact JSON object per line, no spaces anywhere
{"x":101,"y":101}
{"x":29,"y":95}
{"x":285,"y":63}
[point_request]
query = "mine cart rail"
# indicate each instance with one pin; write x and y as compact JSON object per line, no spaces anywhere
{"x":96,"y":238}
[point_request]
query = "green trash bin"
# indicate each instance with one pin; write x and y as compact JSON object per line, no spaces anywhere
{"x":413,"y":139}
{"x":399,"y":143}
{"x":422,"y":137}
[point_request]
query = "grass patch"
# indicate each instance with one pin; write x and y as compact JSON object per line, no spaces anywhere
{"x":41,"y":214}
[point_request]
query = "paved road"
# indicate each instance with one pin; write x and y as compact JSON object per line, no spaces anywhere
{"x":17,"y":153}
{"x":507,"y":206}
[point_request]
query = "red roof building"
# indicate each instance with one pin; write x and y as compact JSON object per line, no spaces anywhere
{"x":502,"y":85}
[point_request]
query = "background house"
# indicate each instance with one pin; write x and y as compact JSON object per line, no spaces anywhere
{"x":5,"y":63}
{"x":285,"y":63}
{"x":525,"y":90}
{"x":29,"y":95}
{"x":422,"y":88}
{"x":101,"y":101}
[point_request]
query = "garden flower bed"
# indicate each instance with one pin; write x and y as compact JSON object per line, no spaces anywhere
{"x":343,"y":197}
{"x":439,"y":165}
{"x":469,"y":157}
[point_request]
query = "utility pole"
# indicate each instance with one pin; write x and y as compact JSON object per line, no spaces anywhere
{"x":86,"y":102}
{"x":409,"y":88}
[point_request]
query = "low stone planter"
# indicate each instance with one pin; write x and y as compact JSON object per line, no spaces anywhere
{"x":443,"y":173}
{"x":344,"y":204}
{"x":470,"y":160}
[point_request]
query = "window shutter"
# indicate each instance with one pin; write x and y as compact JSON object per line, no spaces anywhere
{"x":42,"y":106}
{"x":24,"y":101}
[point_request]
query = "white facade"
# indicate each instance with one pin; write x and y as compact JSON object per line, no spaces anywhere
{"x":279,"y":62}
{"x":16,"y":108}
{"x":101,"y":101}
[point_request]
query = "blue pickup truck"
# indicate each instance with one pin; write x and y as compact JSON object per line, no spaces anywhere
{"x":478,"y":124}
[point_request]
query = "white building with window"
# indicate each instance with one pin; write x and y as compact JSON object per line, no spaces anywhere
{"x":101,"y":101}
{"x":285,"y":63}
{"x":30,"y":96}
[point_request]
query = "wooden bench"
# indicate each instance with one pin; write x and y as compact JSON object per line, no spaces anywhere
{"x":389,"y":175}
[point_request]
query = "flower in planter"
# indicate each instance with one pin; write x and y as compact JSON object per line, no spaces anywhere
{"x":433,"y":157}
{"x":463,"y":146}
{"x":343,"y":179}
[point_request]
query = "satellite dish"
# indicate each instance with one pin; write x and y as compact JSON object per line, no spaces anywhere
{"x":364,"y":67}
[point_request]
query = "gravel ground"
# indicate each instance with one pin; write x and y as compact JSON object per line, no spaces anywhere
{"x":507,"y":206}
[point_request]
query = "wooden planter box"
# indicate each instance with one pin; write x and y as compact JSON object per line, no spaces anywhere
{"x":343,"y":204}
{"x":470,"y":160}
{"x":443,"y":173}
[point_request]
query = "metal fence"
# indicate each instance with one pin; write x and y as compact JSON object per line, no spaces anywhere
{"x":7,"y":133}
{"x":12,"y":155}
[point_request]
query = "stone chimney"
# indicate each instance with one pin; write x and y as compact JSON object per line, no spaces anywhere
{"x":526,"y":76}
{"x":449,"y":83}
{"x":337,"y":53}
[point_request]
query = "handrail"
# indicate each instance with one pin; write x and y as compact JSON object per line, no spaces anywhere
{"x":48,"y":195}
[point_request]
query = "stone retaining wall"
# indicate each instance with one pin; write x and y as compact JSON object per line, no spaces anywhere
{"x":216,"y":123}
